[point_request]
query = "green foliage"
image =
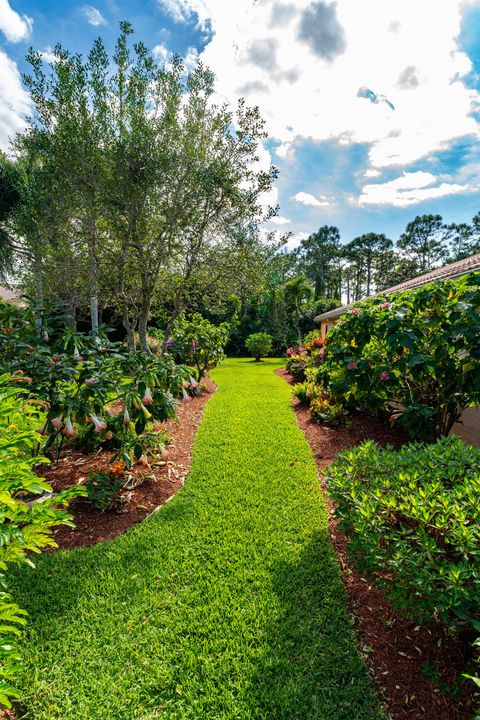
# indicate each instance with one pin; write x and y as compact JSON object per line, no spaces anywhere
{"x":198,"y":343}
{"x":25,"y":525}
{"x":326,"y":412}
{"x":259,"y":345}
{"x":305,"y":392}
{"x":79,"y":376}
{"x":200,"y":609}
{"x":102,"y":489}
{"x":419,"y":349}
{"x":412,"y":519}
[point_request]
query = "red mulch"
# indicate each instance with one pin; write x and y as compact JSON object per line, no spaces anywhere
{"x":162,"y":480}
{"x":394,"y":648}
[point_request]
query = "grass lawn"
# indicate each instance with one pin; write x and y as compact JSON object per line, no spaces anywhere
{"x":227,"y":603}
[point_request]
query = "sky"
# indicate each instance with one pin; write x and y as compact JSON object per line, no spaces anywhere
{"x":372,"y":107}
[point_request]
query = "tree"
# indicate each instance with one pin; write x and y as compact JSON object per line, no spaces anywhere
{"x":296,"y":293}
{"x":317,"y":255}
{"x":9,"y":199}
{"x":425,"y":241}
{"x":368,"y":252}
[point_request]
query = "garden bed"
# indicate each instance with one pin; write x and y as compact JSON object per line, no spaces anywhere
{"x":162,"y":479}
{"x":417,"y":668}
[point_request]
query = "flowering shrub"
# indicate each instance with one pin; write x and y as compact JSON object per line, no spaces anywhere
{"x":259,"y":345}
{"x":412,"y":519}
{"x":198,"y":343}
{"x":417,"y":354}
{"x":297,"y":365}
{"x":25,"y":525}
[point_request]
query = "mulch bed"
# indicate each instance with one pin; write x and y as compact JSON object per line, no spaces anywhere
{"x":399,"y":654}
{"x":162,"y":479}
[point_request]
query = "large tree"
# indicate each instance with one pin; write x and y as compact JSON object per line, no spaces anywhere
{"x":425,"y":241}
{"x":318,"y":256}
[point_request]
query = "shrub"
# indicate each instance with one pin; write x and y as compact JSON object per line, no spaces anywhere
{"x":259,"y":345}
{"x":418,"y":350}
{"x":25,"y":525}
{"x":305,"y":392}
{"x":326,"y":412}
{"x":297,"y":365}
{"x":412,"y":519}
{"x":198,"y":343}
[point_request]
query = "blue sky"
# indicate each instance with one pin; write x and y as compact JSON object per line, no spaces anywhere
{"x":372,"y":107}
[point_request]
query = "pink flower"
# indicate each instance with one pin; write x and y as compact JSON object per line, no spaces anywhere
{"x":385,"y":306}
{"x":384,"y":376}
{"x":109,"y":435}
{"x":147,"y":398}
{"x":126,"y":417}
{"x":351,"y":366}
{"x":99,"y":423}
{"x":169,"y":342}
{"x":57,"y":422}
{"x":157,"y":425}
{"x":355,"y":311}
{"x":321,"y":353}
{"x":69,"y":430}
{"x":194,"y":345}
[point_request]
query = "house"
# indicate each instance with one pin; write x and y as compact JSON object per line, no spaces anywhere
{"x":469,"y":428}
{"x":10,"y":296}
{"x":448,"y":272}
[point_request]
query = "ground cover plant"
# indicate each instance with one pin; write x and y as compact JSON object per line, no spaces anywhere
{"x":227,"y":602}
{"x":415,"y":354}
{"x":412,"y":521}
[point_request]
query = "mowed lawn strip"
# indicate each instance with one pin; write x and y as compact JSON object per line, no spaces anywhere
{"x":227,"y":603}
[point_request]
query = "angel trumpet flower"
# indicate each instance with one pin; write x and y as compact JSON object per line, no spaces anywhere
{"x":69,"y":430}
{"x":57,"y":422}
{"x":99,"y":423}
{"x":126,"y":417}
{"x":147,"y":398}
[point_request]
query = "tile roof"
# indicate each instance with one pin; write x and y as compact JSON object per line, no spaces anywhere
{"x":452,"y":270}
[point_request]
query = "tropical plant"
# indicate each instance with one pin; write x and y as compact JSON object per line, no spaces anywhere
{"x":25,"y":522}
{"x":305,"y":392}
{"x":259,"y":345}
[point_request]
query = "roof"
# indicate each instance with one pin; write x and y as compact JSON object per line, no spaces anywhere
{"x":9,"y":295}
{"x":447,"y":272}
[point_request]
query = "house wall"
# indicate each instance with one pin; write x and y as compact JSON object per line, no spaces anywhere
{"x":469,"y":428}
{"x":326,"y":325}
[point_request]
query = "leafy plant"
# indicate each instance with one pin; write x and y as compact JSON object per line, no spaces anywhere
{"x":305,"y":392}
{"x":25,"y":523}
{"x":259,"y":345}
{"x":102,"y":489}
{"x":324,"y":411}
{"x":412,"y":519}
{"x":416,"y":353}
{"x":198,"y":343}
{"x":297,"y":366}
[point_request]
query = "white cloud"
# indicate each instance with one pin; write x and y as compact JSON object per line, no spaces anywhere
{"x":14,"y":101}
{"x":295,"y":240}
{"x":14,"y":26}
{"x":371,"y":172}
{"x":409,"y":189}
{"x":309,"y":91}
{"x":308,"y":199}
{"x":280,"y":220}
{"x":49,"y":56}
{"x":161,"y":53}
{"x":93,"y":15}
{"x":191,"y":59}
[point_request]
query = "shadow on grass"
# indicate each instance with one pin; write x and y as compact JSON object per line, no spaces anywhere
{"x":313,"y":669}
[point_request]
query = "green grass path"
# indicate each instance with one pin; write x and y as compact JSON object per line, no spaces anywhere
{"x":227,"y":603}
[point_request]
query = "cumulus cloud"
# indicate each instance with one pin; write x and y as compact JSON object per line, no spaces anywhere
{"x":320,"y":29}
{"x":409,"y":189}
{"x":308,"y":199}
{"x":14,"y":101}
{"x":14,"y":26}
{"x":280,"y":220}
{"x":161,"y":53}
{"x":318,"y":101}
{"x":408,"y":78}
{"x":93,"y":15}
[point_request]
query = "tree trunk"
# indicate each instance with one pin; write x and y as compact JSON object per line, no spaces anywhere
{"x":92,"y":269}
